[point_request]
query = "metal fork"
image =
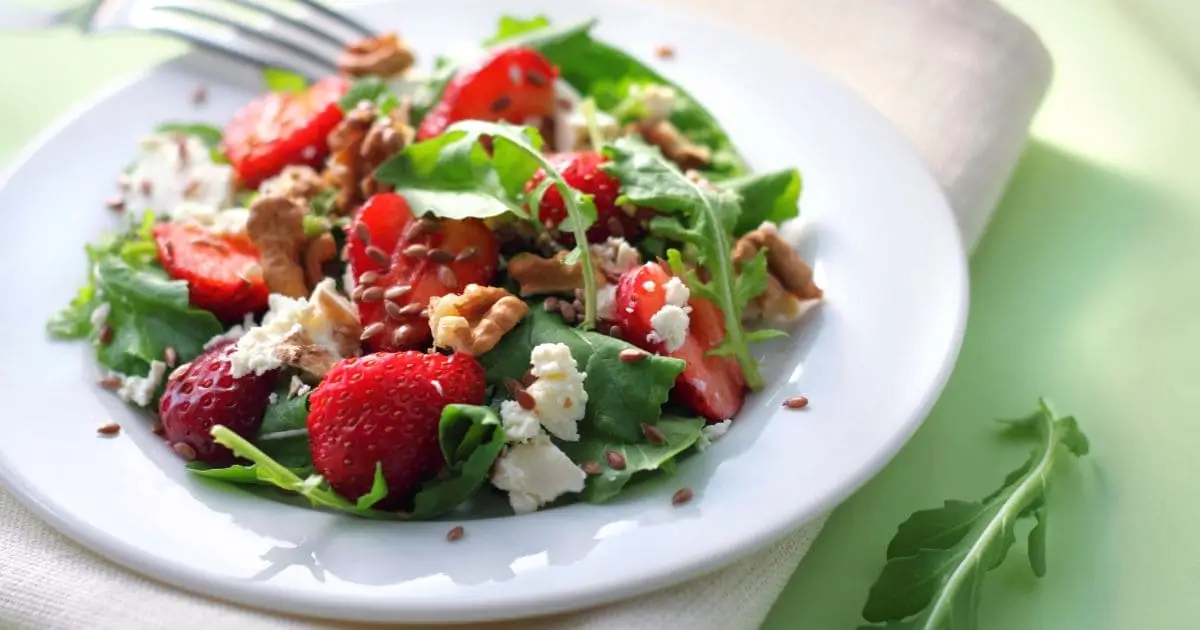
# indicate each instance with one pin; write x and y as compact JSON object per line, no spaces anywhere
{"x":303,"y":36}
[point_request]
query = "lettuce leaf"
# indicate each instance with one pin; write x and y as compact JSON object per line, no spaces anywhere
{"x":621,"y":396}
{"x":679,"y":434}
{"x":766,"y":197}
{"x":471,"y":438}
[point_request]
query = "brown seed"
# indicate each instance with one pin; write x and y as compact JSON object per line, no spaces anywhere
{"x":513,"y":386}
{"x":568,"y":312}
{"x":199,"y":95}
{"x":501,"y":104}
{"x":170,"y":356}
{"x":616,"y":461}
{"x":106,"y":335}
{"x":615,"y":226}
{"x":411,"y":309}
{"x":551,"y":304}
{"x":192,"y":188}
{"x":420,"y":228}
{"x":112,"y":381}
{"x":615,"y":332}
{"x":368,"y":278}
{"x":377,"y":255}
{"x":455,"y":534}
{"x":566,"y":104}
{"x":124,"y":181}
{"x":371,"y":331}
{"x":665,"y":52}
{"x":371,"y":294}
{"x":393,"y":310}
{"x":440,"y":256}
{"x":396,"y":292}
{"x":526,"y":400}
{"x":654,"y":434}
{"x":362,"y":232}
{"x":115,"y":202}
{"x":184,"y":450}
{"x":345,"y":255}
{"x":146,"y":188}
{"x":632,"y":355}
{"x":416,"y":251}
{"x":356,"y":294}
{"x":591,"y":467}
{"x":112,"y":428}
{"x":796,"y":402}
{"x":403,"y":336}
{"x":536,"y":78}
{"x":447,"y":277}
{"x":157,"y":428}
{"x":467,"y":254}
{"x":528,"y":378}
{"x":682,"y":496}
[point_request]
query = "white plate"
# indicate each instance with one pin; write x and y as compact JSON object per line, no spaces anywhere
{"x":874,"y":359}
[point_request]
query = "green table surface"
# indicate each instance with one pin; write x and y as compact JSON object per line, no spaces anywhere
{"x":1073,"y":297}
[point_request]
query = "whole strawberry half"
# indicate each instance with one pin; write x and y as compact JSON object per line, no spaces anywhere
{"x":399,"y":261}
{"x":384,"y":409}
{"x":203,"y":394}
{"x":582,"y":172}
{"x":712,"y":386}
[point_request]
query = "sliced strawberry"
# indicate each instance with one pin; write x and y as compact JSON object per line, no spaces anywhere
{"x":203,"y":394}
{"x":222,"y":271}
{"x":712,"y":386}
{"x":511,"y":85}
{"x":385,"y":409}
{"x":398,"y":262}
{"x":582,"y":172}
{"x":278,"y":129}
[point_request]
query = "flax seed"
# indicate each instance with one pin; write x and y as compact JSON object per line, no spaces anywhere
{"x":568,"y":312}
{"x":526,"y":400}
{"x":467,"y":254}
{"x":192,"y":188}
{"x":362,"y":232}
{"x":377,"y":255}
{"x":372,"y":294}
{"x":615,"y":332}
{"x":199,"y":95}
{"x":654,"y":434}
{"x":106,"y":335}
{"x":184,"y":450}
{"x":112,"y":381}
{"x":396,"y":292}
{"x":440,"y":256}
{"x":368,"y":278}
{"x":501,"y":104}
{"x":665,"y":52}
{"x":528,"y":378}
{"x":357,"y":293}
{"x":796,"y":402}
{"x":682,"y":496}
{"x":513,"y":386}
{"x":112,"y":428}
{"x":393,"y":310}
{"x":455,"y":534}
{"x":403,"y":335}
{"x":632,"y":355}
{"x":447,"y":277}
{"x":146,"y":188}
{"x":551,"y":304}
{"x":115,"y":203}
{"x":536,"y":78}
{"x":616,"y":461}
{"x":417,"y":251}
{"x":592,"y":468}
{"x":371,"y":331}
{"x":409,"y":310}
{"x":615,"y":227}
{"x":170,"y":356}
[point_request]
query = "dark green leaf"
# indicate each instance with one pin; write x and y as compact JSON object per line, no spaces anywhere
{"x":766,"y":197}
{"x":471,"y":438}
{"x":233,"y":474}
{"x":1037,"y":544}
{"x":378,"y":491}
{"x":370,"y":88}
{"x":286,"y":413}
{"x":208,"y":134}
{"x":939,"y":528}
{"x":764,"y":334}
{"x":280,"y":80}
{"x":679,"y":435}
{"x":611,"y":409}
{"x":908,"y":584}
{"x":284,"y":432}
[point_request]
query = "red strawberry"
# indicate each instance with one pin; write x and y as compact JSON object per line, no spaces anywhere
{"x":712,"y":386}
{"x":222,"y":271}
{"x":582,"y":172}
{"x":204,"y":393}
{"x":511,"y":85}
{"x":400,"y":260}
{"x":279,"y":129}
{"x":385,"y":408}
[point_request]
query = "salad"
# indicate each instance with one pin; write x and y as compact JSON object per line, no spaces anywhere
{"x":536,"y":271}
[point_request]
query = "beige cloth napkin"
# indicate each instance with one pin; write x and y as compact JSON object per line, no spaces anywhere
{"x":960,"y":78}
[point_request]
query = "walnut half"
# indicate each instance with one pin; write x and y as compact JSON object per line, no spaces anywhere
{"x":790,"y":285}
{"x":276,"y":226}
{"x":474,"y":321}
{"x":536,"y":275}
{"x":384,"y":56}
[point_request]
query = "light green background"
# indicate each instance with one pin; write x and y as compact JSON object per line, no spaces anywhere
{"x":1081,"y":291}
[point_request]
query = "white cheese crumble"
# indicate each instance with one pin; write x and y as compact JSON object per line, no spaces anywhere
{"x":711,"y":433}
{"x":139,"y":390}
{"x":616,"y":256}
{"x":520,"y":424}
{"x":558,"y":390}
{"x":231,"y":221}
{"x":536,"y":472}
{"x":671,"y":322}
{"x":174,"y":169}
{"x":99,"y":316}
{"x":234,"y":333}
{"x":649,"y":285}
{"x":273,"y":398}
{"x":256,"y":350}
{"x":676,"y":292}
{"x":659,"y":100}
{"x":606,"y":302}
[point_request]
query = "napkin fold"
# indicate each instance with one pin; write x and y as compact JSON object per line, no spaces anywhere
{"x":961,"y":79}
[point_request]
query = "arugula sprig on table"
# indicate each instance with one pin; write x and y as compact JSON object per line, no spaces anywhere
{"x":937,"y":560}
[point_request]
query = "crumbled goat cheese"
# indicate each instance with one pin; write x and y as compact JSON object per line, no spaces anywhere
{"x":234,"y":333}
{"x":676,"y":292}
{"x":670,"y":326}
{"x":649,"y":285}
{"x":99,"y":316}
{"x":711,"y":433}
{"x":273,"y":398}
{"x":139,"y":390}
{"x":558,"y":390}
{"x":256,"y":350}
{"x":606,"y":302}
{"x":534,"y":473}
{"x":231,"y":221}
{"x":616,"y":256}
{"x":659,"y":101}
{"x":174,"y":169}
{"x":520,"y":424}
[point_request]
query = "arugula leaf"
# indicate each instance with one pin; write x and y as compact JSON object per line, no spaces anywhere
{"x":766,"y":197}
{"x":269,"y":471}
{"x":367,"y":88}
{"x":471,"y":438}
{"x":284,"y":81}
{"x":284,"y":431}
{"x":702,"y":217}
{"x":611,"y":409}
{"x":208,"y":134}
{"x":609,"y":75}
{"x":679,"y":435}
{"x":938,"y":557}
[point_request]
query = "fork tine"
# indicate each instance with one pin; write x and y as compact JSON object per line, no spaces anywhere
{"x":250,"y":31}
{"x":295,"y":23}
{"x":337,"y":16}
{"x":214,"y":45}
